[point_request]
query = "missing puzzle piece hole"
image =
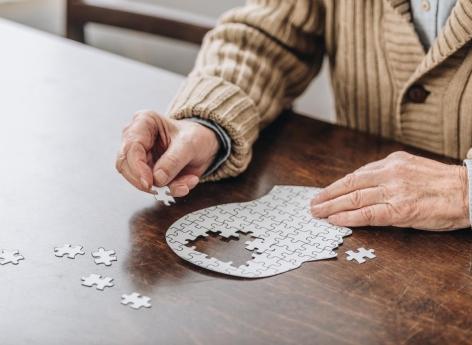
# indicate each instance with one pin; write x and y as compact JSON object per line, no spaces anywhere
{"x":224,"y":249}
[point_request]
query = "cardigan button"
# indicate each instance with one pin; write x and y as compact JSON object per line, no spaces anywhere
{"x":425,"y":5}
{"x":417,"y":94}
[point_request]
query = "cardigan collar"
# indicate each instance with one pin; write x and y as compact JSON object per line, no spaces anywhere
{"x":399,"y":32}
{"x":455,"y":34}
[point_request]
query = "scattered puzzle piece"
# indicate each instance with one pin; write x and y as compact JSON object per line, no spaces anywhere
{"x":105,"y":257}
{"x":97,"y":280}
{"x":361,"y":255}
{"x":136,"y":301}
{"x":10,"y":257}
{"x":162,"y":194}
{"x":69,"y":251}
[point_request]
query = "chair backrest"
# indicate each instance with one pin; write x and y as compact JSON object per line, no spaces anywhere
{"x":137,"y":16}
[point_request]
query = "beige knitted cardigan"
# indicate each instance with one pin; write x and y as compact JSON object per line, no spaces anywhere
{"x":263,"y":55}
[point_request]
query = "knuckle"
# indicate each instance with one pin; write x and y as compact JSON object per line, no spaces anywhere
{"x":124,"y":149}
{"x":356,"y":198}
{"x":349,"y":180}
{"x":132,"y":138}
{"x":126,"y":129}
{"x":128,"y":132}
{"x":397,"y":168}
{"x":368,"y":214}
{"x":172,"y":161}
{"x":400,"y":155}
{"x":127,"y":146}
{"x":149,"y":117}
{"x":145,"y":113}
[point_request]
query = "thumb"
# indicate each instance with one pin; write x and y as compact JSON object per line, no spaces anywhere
{"x":171,"y":163}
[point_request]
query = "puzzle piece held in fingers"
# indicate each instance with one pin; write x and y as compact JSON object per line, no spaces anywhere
{"x":162,"y":194}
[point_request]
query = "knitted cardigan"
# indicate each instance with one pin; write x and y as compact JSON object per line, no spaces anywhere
{"x":260,"y":57}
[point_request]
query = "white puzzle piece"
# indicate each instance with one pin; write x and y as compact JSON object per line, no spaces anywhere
{"x":285,"y":233}
{"x":136,"y":301}
{"x":361,"y":255}
{"x":98,"y":281}
{"x":104,"y":257}
{"x":68,"y":251}
{"x":162,"y":194}
{"x":10,"y":257}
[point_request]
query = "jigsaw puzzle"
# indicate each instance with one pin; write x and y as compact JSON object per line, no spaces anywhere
{"x":285,"y":234}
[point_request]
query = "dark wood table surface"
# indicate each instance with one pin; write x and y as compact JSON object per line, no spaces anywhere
{"x":62,"y":107}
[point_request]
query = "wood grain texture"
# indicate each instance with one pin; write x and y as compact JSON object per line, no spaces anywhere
{"x":60,"y":131}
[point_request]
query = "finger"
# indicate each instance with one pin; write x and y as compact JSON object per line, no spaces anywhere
{"x":137,"y":171}
{"x":350,"y":183}
{"x":375,"y":215}
{"x":138,"y":139}
{"x":137,"y":160}
{"x":351,"y":201}
{"x":171,"y":163}
{"x":182,"y":185}
{"x":125,"y":170}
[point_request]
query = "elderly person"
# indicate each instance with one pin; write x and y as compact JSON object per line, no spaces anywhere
{"x":400,"y":69}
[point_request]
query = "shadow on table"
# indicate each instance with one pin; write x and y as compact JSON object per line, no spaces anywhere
{"x":151,"y":262}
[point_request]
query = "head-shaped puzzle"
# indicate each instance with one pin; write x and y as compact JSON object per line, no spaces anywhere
{"x":285,"y":234}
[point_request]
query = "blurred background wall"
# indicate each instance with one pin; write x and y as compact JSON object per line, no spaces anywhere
{"x":49,"y":15}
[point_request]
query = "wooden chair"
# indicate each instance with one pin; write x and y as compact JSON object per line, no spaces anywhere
{"x":135,"y":16}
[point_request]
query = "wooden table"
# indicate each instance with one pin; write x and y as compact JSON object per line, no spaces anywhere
{"x":62,"y":107}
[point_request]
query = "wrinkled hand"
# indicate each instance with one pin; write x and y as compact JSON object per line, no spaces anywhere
{"x":401,"y":190}
{"x":157,"y":150}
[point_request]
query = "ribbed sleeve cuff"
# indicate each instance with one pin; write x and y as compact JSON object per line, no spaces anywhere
{"x":214,"y":99}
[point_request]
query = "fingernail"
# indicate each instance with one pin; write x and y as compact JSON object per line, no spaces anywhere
{"x":144,"y":183}
{"x":333,"y":219}
{"x":181,"y":191}
{"x":193,"y":181}
{"x":161,"y":177}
